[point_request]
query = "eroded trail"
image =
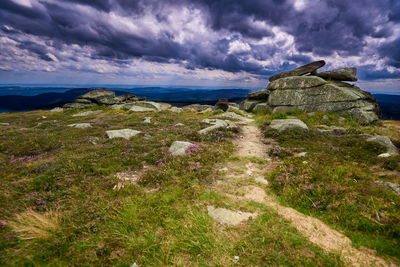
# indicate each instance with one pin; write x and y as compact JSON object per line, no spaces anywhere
{"x":252,"y":144}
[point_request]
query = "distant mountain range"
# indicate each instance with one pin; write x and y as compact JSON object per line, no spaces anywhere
{"x":390,"y":104}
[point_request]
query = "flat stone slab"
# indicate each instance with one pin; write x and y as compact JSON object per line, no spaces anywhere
{"x":229,"y":217}
{"x":123,"y":133}
{"x":311,"y":67}
{"x":135,"y":108}
{"x":287,"y":124}
{"x":296,"y":82}
{"x":344,"y":74}
{"x":80,"y":125}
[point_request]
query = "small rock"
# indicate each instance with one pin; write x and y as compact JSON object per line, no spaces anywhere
{"x":44,"y":117}
{"x":341,"y":119}
{"x":179,"y":148}
{"x":261,"y":180}
{"x":216,"y":124}
{"x":147,"y":136}
{"x":325,"y":117}
{"x":384,"y":155}
{"x":57,"y":110}
{"x":224,"y":169}
{"x":147,"y":120}
{"x":80,"y":125}
{"x":229,"y":217}
{"x":123,"y":133}
{"x":301,"y":154}
{"x":179,"y":124}
{"x":311,"y":114}
{"x":386,"y":142}
{"x":236,"y":258}
{"x":391,"y":186}
{"x":4,"y":123}
{"x":286,"y":124}
{"x":291,"y":117}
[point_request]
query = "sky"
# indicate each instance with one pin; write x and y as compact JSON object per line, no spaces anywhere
{"x":196,"y":42}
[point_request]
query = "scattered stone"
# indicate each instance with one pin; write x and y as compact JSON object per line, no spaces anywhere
{"x":335,"y":130}
{"x":391,"y":186}
{"x":301,"y":154}
{"x":80,"y":125}
{"x":341,"y":119}
{"x":223,"y":169}
{"x":287,"y":124}
{"x":179,"y":124}
{"x":236,"y":258}
{"x":309,"y":68}
{"x":386,"y":142}
{"x":85,"y":113}
{"x":4,"y":124}
{"x":153,"y":105}
{"x":232,"y":115}
{"x":344,"y":74}
{"x":216,"y":124}
{"x":44,"y":117}
{"x":179,"y":148}
{"x":310,"y":114}
{"x":57,"y":110}
{"x":175,"y":109}
{"x":384,"y":155}
{"x":147,"y":136}
{"x":261,"y":180}
{"x":233,"y":107}
{"x":325,"y":117}
{"x":136,"y":108}
{"x":123,"y":133}
{"x":229,"y":217}
{"x":147,"y":120}
{"x":196,"y":107}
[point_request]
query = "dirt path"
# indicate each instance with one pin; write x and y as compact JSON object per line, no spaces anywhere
{"x":250,"y":144}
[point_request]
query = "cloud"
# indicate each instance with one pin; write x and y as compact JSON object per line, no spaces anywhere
{"x":258,"y":37}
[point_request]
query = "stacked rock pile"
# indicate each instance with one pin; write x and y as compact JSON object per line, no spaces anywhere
{"x":306,"y":89}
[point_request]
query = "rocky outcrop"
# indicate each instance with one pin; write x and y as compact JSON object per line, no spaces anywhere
{"x":102,"y":97}
{"x":322,"y":91}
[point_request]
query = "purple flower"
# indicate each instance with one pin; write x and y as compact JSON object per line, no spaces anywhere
{"x":193,"y":148}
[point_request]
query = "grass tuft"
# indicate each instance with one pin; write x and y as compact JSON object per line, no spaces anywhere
{"x":34,"y":225}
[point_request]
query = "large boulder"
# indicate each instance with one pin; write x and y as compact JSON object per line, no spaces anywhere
{"x":248,"y":105}
{"x":309,"y":68}
{"x":344,"y":74}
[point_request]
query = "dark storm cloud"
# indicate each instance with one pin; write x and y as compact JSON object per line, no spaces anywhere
{"x":321,"y":28}
{"x":392,"y":52}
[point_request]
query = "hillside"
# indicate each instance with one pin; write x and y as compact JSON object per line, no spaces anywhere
{"x":236,"y":197}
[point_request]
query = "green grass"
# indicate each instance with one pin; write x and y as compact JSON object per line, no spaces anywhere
{"x":335,"y":181}
{"x":64,"y":177}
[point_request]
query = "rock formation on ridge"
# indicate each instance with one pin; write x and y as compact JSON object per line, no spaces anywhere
{"x":305,"y":89}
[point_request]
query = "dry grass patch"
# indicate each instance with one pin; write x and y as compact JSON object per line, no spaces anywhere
{"x":34,"y":225}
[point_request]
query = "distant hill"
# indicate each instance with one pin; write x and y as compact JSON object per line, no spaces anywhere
{"x":390,"y":106}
